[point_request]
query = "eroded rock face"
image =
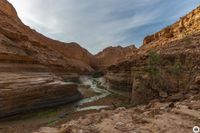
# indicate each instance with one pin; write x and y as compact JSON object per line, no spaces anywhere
{"x":136,"y":74}
{"x":184,"y":48}
{"x":25,"y":87}
{"x":18,"y":40}
{"x":114,"y":55}
{"x":21,"y":92}
{"x":187,"y":25}
{"x":119,"y":76}
{"x":7,"y":8}
{"x":119,"y":81}
{"x":33,"y":67}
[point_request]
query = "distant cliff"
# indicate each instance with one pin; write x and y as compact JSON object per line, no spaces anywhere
{"x":187,"y":25}
{"x":113,"y":55}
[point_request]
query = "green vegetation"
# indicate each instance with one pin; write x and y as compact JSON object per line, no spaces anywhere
{"x":154,"y":63}
{"x":164,"y":75}
{"x":154,"y":58}
{"x":176,"y":69}
{"x":98,"y":74}
{"x":77,"y":81}
{"x":46,"y":113}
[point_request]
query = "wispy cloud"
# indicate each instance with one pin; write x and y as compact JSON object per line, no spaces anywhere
{"x":96,"y":24}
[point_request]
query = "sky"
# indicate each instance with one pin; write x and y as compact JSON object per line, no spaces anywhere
{"x":97,"y":24}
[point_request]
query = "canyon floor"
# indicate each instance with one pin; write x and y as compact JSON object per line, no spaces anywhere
{"x":103,"y":111}
{"x":156,"y":117}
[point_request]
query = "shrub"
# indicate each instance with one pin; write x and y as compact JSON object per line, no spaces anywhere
{"x":154,"y":63}
{"x":176,"y":69}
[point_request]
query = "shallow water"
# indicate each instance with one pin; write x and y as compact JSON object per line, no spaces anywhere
{"x":93,"y":108}
{"x":101,"y":93}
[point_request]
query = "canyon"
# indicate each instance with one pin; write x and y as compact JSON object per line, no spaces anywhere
{"x":177,"y":47}
{"x":30,"y":64}
{"x":37,"y":72}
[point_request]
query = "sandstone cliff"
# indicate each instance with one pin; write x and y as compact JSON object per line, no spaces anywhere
{"x":21,"y":92}
{"x":33,"y":67}
{"x":7,"y":8}
{"x":114,"y":55}
{"x":187,"y":25}
{"x":19,"y":43}
{"x":180,"y":41}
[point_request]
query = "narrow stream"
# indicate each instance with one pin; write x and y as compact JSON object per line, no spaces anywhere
{"x":101,"y":93}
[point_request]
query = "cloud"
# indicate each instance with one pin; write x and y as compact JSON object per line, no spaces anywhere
{"x":96,"y":24}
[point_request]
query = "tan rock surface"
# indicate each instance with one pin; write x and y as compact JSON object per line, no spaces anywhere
{"x":9,"y":10}
{"x":156,"y":117}
{"x":18,"y":40}
{"x":187,"y":25}
{"x":33,"y":67}
{"x":182,"y":45}
{"x":21,"y":92}
{"x":114,"y":55}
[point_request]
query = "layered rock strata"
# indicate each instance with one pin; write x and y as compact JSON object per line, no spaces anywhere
{"x":21,"y":92}
{"x":186,"y":26}
{"x":171,"y":47}
{"x":33,"y":67}
{"x":136,"y":71}
{"x":114,"y":55}
{"x":20,"y":43}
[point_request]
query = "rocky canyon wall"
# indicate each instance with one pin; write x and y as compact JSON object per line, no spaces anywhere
{"x":113,"y":55}
{"x":22,"y":42}
{"x":187,"y":25}
{"x":181,"y":39}
{"x":8,"y":9}
{"x":22,"y":92}
{"x":33,"y":68}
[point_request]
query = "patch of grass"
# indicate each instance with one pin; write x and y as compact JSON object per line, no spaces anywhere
{"x":46,"y":113}
{"x":52,"y":123}
{"x":32,"y":115}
